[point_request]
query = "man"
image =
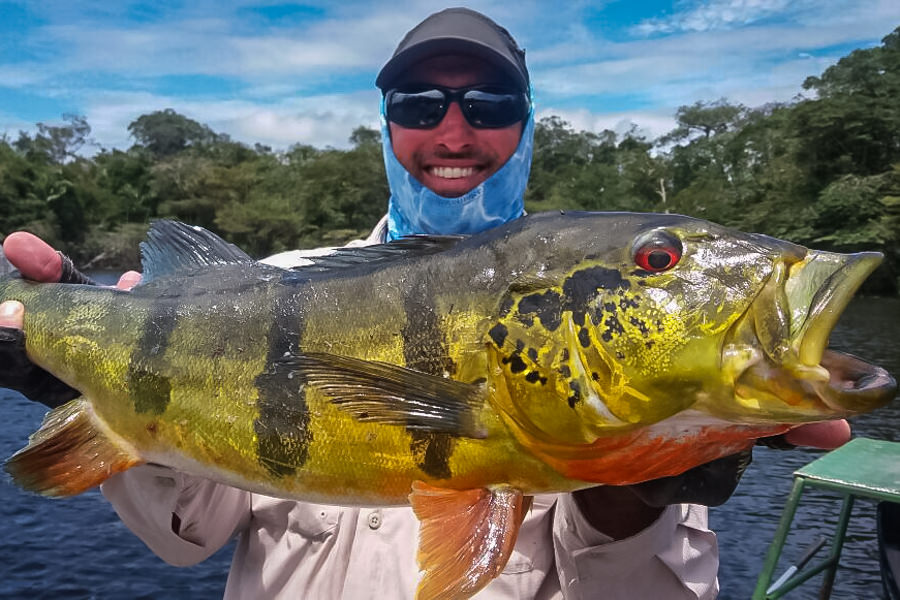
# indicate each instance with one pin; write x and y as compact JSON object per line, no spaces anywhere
{"x":457,"y":133}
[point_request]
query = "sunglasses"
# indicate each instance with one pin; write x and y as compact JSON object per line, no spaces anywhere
{"x":483,"y":107}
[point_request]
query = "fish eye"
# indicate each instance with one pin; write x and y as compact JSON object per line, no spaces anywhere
{"x":657,"y":251}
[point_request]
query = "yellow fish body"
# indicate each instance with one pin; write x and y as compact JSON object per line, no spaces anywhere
{"x":458,"y":374}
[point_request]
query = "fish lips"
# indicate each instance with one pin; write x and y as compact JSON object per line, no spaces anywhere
{"x":789,"y":375}
{"x":855,"y":385}
{"x":819,"y":289}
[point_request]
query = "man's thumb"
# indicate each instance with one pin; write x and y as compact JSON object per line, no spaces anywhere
{"x":12,"y":314}
{"x":34,"y":257}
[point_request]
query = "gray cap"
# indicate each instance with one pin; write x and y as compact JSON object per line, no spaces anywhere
{"x":457,"y":30}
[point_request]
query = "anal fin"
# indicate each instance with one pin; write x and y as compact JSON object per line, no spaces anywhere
{"x":68,"y":454}
{"x":465,"y":537}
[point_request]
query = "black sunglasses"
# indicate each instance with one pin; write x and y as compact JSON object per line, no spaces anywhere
{"x":423,"y":107}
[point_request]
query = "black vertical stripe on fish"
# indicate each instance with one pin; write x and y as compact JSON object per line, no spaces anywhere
{"x":425,"y":349}
{"x":282,"y":427}
{"x":152,"y":391}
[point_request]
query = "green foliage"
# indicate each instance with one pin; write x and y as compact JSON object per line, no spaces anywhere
{"x":853,"y":125}
{"x":822,"y":171}
{"x":165,"y":132}
{"x":705,"y":118}
{"x":55,"y":143}
{"x":590,"y":171}
{"x":311,"y":198}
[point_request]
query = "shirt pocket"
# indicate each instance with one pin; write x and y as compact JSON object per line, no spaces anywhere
{"x":518,"y":563}
{"x":313,"y":521}
{"x":533,"y":545}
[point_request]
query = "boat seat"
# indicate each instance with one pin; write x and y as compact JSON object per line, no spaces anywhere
{"x":861,"y":468}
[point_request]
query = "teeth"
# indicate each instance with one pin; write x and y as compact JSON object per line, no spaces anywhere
{"x":452,"y":172}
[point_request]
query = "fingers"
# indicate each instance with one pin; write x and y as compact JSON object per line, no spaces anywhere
{"x":826,"y":435}
{"x":128,"y":280}
{"x":33,"y":257}
{"x":12,"y":314}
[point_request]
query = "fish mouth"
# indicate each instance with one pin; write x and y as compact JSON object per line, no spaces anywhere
{"x":855,"y":383}
{"x":779,"y":348}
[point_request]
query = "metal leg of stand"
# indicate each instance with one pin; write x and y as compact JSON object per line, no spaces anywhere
{"x":774,"y":552}
{"x":836,"y":545}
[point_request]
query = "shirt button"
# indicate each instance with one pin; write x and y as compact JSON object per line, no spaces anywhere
{"x":374,"y":520}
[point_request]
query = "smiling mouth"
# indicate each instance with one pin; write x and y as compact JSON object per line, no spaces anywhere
{"x":452,"y":172}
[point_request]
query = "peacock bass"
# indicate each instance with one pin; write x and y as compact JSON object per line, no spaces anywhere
{"x":457,"y":374}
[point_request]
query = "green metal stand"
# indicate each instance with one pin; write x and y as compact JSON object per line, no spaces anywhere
{"x":862,"y":468}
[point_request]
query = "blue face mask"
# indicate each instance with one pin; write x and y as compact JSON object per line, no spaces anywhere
{"x":413,"y":208}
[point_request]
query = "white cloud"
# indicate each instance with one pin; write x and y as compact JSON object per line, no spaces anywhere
{"x":319,"y":121}
{"x":718,"y":14}
{"x":11,"y":125}
{"x":22,"y":75}
{"x":280,"y":76}
{"x":351,"y":35}
{"x":753,"y":66}
{"x":647,"y":123}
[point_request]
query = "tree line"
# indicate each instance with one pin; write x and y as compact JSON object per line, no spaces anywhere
{"x":822,"y":170}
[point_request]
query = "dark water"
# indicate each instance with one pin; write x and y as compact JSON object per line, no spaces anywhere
{"x":77,"y":548}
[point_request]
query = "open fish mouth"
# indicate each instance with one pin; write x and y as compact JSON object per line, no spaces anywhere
{"x":784,"y":370}
{"x":855,"y":384}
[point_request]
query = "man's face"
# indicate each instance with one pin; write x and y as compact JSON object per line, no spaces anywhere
{"x":453,"y":157}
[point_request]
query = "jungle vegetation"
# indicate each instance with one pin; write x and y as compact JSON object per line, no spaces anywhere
{"x":822,"y":170}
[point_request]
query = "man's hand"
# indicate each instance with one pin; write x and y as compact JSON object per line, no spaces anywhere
{"x":37,"y":261}
{"x":826,"y":435}
{"x":623,"y":511}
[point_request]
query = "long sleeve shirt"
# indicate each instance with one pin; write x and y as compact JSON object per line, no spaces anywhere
{"x":290,"y":549}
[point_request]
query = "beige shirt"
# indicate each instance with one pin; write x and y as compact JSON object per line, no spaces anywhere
{"x":297,"y":550}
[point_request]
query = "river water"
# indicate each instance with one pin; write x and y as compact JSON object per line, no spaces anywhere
{"x":77,"y":547}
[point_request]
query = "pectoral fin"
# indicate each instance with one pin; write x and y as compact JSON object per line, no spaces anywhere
{"x":465,"y":537}
{"x":69,"y":453}
{"x":385,"y":393}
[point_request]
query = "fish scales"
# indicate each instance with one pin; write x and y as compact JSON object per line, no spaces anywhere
{"x":410,"y":326}
{"x":202,"y":382}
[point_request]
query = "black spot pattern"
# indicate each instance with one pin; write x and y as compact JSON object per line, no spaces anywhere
{"x":546,"y":306}
{"x":499,"y":333}
{"x":582,"y":288}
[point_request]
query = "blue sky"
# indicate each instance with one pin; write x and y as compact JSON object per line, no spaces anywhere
{"x":279,"y":73}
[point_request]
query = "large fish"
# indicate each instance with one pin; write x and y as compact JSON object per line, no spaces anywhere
{"x":457,"y":374}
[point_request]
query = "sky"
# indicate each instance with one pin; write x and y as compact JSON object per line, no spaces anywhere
{"x":281,"y":73}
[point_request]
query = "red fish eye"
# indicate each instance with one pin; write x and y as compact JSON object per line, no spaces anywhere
{"x":659,"y":253}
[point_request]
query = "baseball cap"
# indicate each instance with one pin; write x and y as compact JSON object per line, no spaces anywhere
{"x":459,"y":30}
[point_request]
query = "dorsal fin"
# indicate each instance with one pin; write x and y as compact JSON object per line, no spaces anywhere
{"x":175,"y":248}
{"x":416,"y":245}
